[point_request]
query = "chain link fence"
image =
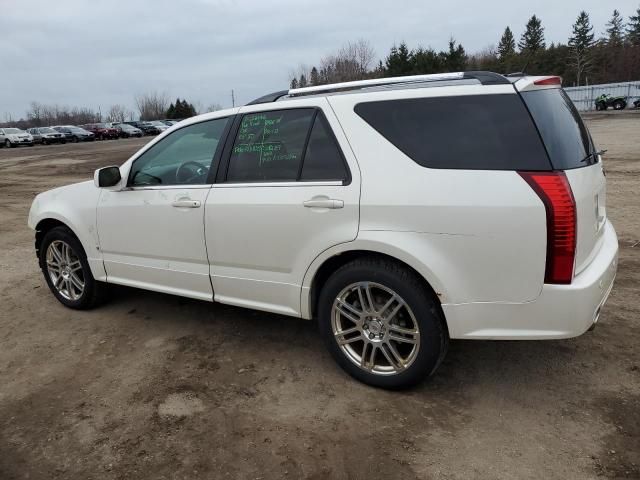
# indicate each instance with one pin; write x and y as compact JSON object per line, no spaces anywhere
{"x":585,"y":97}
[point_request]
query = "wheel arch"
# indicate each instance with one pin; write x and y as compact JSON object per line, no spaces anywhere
{"x":47,"y":224}
{"x":322,"y":270}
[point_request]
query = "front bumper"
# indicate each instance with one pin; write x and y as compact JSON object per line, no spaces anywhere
{"x":561,"y":311}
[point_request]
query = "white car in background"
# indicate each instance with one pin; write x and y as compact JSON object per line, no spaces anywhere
{"x":14,"y":137}
{"x":398,"y":212}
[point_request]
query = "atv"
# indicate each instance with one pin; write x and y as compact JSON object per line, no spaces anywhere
{"x":636,"y":104}
{"x":605,"y":101}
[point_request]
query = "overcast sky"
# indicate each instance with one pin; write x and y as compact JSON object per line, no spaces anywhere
{"x":97,"y":53}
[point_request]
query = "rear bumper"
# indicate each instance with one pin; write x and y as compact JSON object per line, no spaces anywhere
{"x":561,"y":311}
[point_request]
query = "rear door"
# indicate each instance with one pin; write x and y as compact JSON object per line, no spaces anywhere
{"x":571,"y":149}
{"x":288,"y":191}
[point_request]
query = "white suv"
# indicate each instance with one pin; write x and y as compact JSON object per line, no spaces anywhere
{"x":398,"y":212}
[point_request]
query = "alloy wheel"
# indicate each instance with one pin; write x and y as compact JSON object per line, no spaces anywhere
{"x":65,"y":270}
{"x":375,"y":328}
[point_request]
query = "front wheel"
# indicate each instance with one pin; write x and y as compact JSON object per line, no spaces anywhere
{"x":7,"y":143}
{"x":381,"y":323}
{"x":66,"y":270}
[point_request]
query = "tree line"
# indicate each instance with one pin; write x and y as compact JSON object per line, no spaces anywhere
{"x":584,"y":58}
{"x":150,"y":106}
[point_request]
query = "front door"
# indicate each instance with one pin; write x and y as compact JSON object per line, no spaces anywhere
{"x":152,"y":232}
{"x":290,"y":190}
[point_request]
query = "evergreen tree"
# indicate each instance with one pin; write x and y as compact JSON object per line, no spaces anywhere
{"x":455,"y":59}
{"x":633,"y":29}
{"x":399,"y":62}
{"x":507,"y":45}
{"x":580,"y":44}
{"x":532,"y":39}
{"x":426,"y":61}
{"x":315,"y":79}
{"x":171,"y":111}
{"x":615,"y":33}
{"x":294,"y":83}
{"x":303,"y":81}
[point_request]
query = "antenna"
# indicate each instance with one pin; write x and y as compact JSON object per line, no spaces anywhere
{"x":233,"y":98}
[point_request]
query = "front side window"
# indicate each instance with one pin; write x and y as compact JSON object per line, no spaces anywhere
{"x":182,"y":158}
{"x":285,"y":145}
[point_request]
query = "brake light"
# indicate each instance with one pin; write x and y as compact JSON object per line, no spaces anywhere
{"x":549,"y":81}
{"x":555,"y":192}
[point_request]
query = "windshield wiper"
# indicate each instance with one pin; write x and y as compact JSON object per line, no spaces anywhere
{"x":593,"y":154}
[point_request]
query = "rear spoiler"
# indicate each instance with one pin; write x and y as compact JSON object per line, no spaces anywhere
{"x":525,"y":84}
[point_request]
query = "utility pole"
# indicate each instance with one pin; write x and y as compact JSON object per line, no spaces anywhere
{"x":233,"y":99}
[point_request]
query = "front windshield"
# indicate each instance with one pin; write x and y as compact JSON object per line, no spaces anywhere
{"x":12,"y":130}
{"x":101,"y":125}
{"x":158,"y":123}
{"x":76,"y":129}
{"x":47,"y":130}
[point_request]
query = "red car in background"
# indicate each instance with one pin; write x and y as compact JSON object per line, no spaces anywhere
{"x":102,"y":131}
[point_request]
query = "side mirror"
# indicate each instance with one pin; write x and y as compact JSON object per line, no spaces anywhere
{"x":107,"y":177}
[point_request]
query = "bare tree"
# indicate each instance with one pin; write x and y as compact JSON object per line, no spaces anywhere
{"x":117,"y":113}
{"x":214,"y":107}
{"x":153,"y":105}
{"x":351,"y":62}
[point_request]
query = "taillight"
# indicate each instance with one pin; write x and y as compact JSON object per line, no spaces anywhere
{"x":555,"y":192}
{"x":548,"y":81}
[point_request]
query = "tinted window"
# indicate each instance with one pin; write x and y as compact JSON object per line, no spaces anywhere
{"x":322,"y":160}
{"x":476,"y":132}
{"x":182,"y":158}
{"x":269,"y":146}
{"x":564,"y":134}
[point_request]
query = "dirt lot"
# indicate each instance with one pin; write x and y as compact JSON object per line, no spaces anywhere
{"x":154,"y":386}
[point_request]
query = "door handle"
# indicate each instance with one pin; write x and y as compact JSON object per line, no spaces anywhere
{"x":186,"y":203}
{"x":323,"y":202}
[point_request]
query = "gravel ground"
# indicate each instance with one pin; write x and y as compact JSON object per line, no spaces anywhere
{"x":160,"y":387}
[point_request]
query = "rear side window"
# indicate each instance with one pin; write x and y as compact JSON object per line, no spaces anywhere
{"x":474,"y":132}
{"x":285,"y":145}
{"x":564,"y":134}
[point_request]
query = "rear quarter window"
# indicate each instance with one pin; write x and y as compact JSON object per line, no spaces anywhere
{"x":563,"y":131}
{"x":472,"y":132}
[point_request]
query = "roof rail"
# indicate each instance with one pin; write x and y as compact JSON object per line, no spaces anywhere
{"x":485,"y":78}
{"x":271,"y":97}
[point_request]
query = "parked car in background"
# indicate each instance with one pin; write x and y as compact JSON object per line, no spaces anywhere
{"x":101,"y":131}
{"x":46,"y":135}
{"x":126,"y":131}
{"x":75,"y":134}
{"x":13,"y":137}
{"x":159,"y":125}
{"x":170,"y":123}
{"x":146,"y":127}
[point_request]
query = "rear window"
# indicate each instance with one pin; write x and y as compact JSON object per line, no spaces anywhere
{"x":474,"y":132}
{"x":564,"y":134}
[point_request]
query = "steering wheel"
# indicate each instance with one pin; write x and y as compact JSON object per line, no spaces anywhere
{"x":189,"y":171}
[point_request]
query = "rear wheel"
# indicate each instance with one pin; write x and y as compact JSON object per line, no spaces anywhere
{"x":66,"y":270}
{"x":381,"y":324}
{"x":619,"y":104}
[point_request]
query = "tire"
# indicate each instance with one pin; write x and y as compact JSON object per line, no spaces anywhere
{"x":68,"y":293}
{"x":418,"y":319}
{"x":8,"y":144}
{"x":619,"y":105}
{"x":600,"y":106}
{"x":75,"y":139}
{"x":43,"y":142}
